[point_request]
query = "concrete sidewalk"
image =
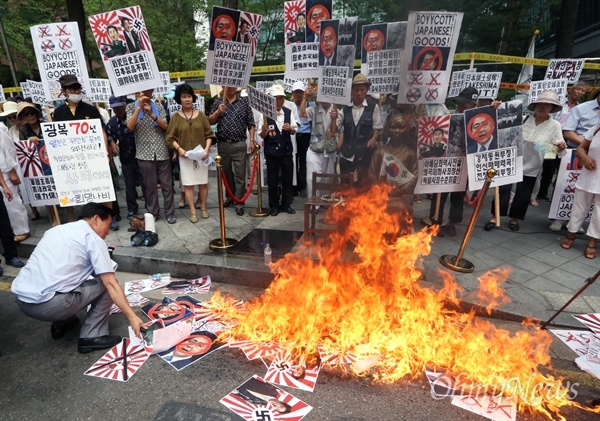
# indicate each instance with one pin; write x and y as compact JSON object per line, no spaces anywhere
{"x":543,"y":278}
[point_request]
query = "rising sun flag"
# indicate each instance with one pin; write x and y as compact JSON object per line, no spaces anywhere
{"x":359,"y":294}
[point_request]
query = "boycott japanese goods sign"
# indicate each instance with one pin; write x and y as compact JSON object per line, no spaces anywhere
{"x":58,"y":52}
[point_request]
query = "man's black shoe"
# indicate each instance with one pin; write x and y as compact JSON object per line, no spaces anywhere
{"x":228,"y":203}
{"x":274,"y":211}
{"x":289,"y":210}
{"x":101,"y":342}
{"x":59,"y":329}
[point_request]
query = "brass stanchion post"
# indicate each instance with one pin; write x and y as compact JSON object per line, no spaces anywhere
{"x":222,"y":243}
{"x":260,"y":212}
{"x":457,"y":263}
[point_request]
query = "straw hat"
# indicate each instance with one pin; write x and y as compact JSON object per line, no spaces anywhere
{"x":360,"y":79}
{"x":24,"y":105}
{"x":10,"y":107}
{"x":547,"y":97}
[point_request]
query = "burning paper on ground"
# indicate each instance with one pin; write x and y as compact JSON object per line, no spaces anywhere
{"x":121,"y":362}
{"x":577,"y":340}
{"x":299,"y":371}
{"x":491,"y":407}
{"x":256,"y":399}
{"x":374,"y":304}
{"x":254,"y":350}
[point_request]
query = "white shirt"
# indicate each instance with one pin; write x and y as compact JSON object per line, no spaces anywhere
{"x":8,"y":150}
{"x":64,"y":258}
{"x":589,"y":180}
{"x":543,"y":134}
{"x":357,"y":112}
{"x":281,"y":120}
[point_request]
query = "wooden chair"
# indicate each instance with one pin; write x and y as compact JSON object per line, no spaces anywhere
{"x":325,"y":184}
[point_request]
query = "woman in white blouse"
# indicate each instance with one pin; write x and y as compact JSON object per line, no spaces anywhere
{"x":541,"y":134}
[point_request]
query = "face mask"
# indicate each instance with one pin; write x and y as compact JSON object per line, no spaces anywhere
{"x":75,"y":98}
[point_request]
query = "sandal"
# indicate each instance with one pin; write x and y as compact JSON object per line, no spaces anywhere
{"x":567,"y":243}
{"x":417,"y":199}
{"x":193,"y":218}
{"x":513,"y":226}
{"x":590,"y":252}
{"x":205,"y":214}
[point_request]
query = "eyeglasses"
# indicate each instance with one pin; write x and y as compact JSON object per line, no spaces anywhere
{"x":29,"y":114}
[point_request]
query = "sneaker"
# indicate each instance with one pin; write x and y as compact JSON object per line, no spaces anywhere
{"x":171,"y":219}
{"x":556,"y":225}
{"x":114,"y":225}
{"x":14,"y":262}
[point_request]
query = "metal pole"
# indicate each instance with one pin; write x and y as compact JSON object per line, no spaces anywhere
{"x":222,"y":243}
{"x":588,"y":282}
{"x":457,"y":263}
{"x":8,"y":56}
{"x":259,"y":212}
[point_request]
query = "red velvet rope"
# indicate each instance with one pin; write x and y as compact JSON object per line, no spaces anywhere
{"x":472,"y":202}
{"x":235,"y":199}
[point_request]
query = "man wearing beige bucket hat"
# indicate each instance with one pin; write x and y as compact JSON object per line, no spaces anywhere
{"x":541,"y":134}
{"x":359,"y":125}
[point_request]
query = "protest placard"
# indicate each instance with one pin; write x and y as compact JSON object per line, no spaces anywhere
{"x":175,"y":107}
{"x":263,"y":85}
{"x":570,"y":69}
{"x":38,"y":182}
{"x":486,"y":83}
{"x":335,"y":85}
{"x":36,"y":92}
{"x":78,"y":156}
{"x":100,"y":90}
{"x":441,"y":154}
{"x":289,"y":82}
{"x":564,"y":191}
{"x":124,"y":45}
{"x":262,"y":102}
{"x":25,"y":91}
{"x":429,"y":53}
{"x":165,"y":88}
{"x":231,"y":47}
{"x":457,"y":81}
{"x":495,"y":140}
{"x":557,"y":85}
{"x":337,"y":43}
{"x":302,"y":25}
{"x":381,"y":57}
{"x":58,"y":52}
{"x":2,"y":97}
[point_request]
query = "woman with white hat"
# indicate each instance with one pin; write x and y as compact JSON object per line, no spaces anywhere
{"x":541,"y":134}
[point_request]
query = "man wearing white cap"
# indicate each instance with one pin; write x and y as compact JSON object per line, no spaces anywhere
{"x":9,"y":167}
{"x":302,"y":138}
{"x":278,"y":154}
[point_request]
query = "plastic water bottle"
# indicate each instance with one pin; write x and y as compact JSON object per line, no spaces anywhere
{"x":268,"y":253}
{"x":160,"y":277}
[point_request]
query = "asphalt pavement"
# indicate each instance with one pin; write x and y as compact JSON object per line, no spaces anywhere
{"x":43,"y":378}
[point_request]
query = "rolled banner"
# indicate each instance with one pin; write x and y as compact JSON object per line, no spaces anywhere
{"x":149,"y":222}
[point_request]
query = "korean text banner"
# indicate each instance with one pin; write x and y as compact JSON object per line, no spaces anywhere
{"x":302,"y":24}
{"x":124,"y":45}
{"x":58,"y":52}
{"x":79,"y":162}
{"x":569,"y":69}
{"x":428,"y":54}
{"x":381,"y":46}
{"x":232,"y":46}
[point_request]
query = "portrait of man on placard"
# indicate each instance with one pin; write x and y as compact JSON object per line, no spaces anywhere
{"x":328,"y":44}
{"x":224,"y":25}
{"x":482,"y":131}
{"x":316,"y":12}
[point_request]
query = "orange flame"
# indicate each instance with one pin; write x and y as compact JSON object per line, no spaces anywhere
{"x":359,"y":292}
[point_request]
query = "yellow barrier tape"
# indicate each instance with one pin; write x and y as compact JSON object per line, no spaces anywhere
{"x":13,"y":89}
{"x":513,"y":59}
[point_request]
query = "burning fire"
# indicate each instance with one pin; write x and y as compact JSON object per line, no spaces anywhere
{"x":373,"y":306}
